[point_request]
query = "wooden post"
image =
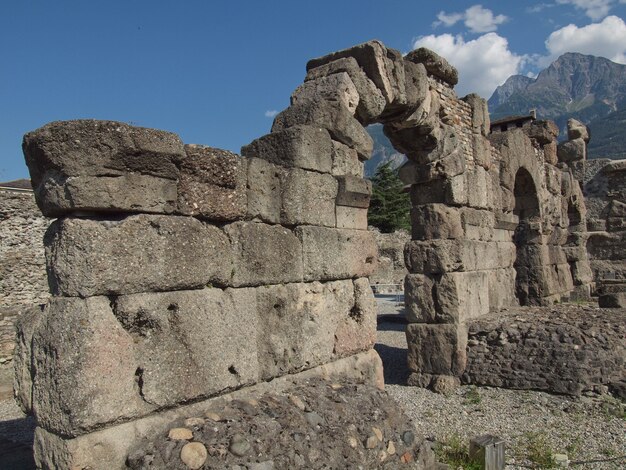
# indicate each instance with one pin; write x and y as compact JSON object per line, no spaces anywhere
{"x":488,"y":451}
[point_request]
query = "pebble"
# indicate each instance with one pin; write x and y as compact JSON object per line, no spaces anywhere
{"x":193,"y":455}
{"x":406,"y":457}
{"x":180,"y":434}
{"x":313,"y":418}
{"x":213,"y":416}
{"x":408,"y":437}
{"x":239,"y":446}
{"x":382,"y":456}
{"x":371,"y":442}
{"x":297,"y":401}
{"x":378,"y":433}
{"x":391,"y":448}
{"x":194,"y":422}
{"x":353,"y":442}
{"x":267,"y":465}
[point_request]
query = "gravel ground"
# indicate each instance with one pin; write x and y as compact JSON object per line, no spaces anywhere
{"x":586,"y":429}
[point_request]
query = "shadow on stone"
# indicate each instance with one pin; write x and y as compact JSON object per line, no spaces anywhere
{"x":394,"y":363}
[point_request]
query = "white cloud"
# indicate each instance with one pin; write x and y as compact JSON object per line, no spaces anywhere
{"x":606,"y":39}
{"x":483,"y":63}
{"x":476,"y":18}
{"x":594,"y":9}
{"x":270,"y":113}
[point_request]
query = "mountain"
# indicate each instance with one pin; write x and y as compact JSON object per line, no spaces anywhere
{"x":608,"y":136}
{"x":579,"y":86}
{"x":383,"y":151}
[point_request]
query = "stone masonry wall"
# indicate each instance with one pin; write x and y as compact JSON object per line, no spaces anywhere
{"x":23,"y":279}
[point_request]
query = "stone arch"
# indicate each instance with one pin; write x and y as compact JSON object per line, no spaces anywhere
{"x":527,"y":210}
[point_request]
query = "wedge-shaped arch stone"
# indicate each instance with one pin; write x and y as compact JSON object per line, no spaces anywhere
{"x":139,"y":253}
{"x":336,"y":87}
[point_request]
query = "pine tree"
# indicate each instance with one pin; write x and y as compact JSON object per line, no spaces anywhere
{"x":390,"y":205}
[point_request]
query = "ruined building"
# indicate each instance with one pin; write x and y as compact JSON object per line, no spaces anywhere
{"x":181,"y":272}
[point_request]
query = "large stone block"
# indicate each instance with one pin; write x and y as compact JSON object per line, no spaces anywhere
{"x":308,"y":198}
{"x":335,"y":87}
{"x":212,"y":184}
{"x":419,"y":299}
{"x":572,"y":150}
{"x":436,"y":349}
{"x":337,"y":253}
{"x":26,"y":326}
{"x":375,"y":61}
{"x":84,"y":368}
{"x":544,"y":132}
{"x":264,"y":254}
{"x":442,"y":256}
{"x":480,"y":113}
{"x":435,"y":65}
{"x":502,"y":288}
{"x":435,"y":221}
{"x":351,"y":217}
{"x":264,"y":190}
{"x":415,"y":173}
{"x":354,"y":191}
{"x":478,"y":224}
{"x":191,"y":344}
{"x":137,"y":167}
{"x":332,"y":116}
{"x":108,"y":448}
{"x":472,"y":188}
{"x":577,"y":130}
{"x":297,"y":324}
{"x":371,"y":99}
{"x":356,"y":331}
{"x":462,"y":296}
{"x":306,"y":147}
{"x":346,"y":161}
{"x":140,"y":253}
{"x":416,"y":84}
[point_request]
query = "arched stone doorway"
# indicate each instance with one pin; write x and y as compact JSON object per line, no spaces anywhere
{"x":528,"y":213}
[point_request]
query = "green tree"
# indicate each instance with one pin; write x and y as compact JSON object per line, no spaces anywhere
{"x":390,"y":205}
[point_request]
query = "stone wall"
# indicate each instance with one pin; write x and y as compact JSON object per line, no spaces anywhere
{"x":570,"y":349}
{"x":22,"y":270}
{"x":391,"y":271}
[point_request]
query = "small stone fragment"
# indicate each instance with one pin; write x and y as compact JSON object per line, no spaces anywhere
{"x":336,"y":386}
{"x":408,"y":437}
{"x":239,"y":446}
{"x":391,"y":448}
{"x":406,"y":457}
{"x":314,"y":419}
{"x":378,"y":433}
{"x":193,"y":455}
{"x":297,"y":402}
{"x":382,"y":456}
{"x":353,"y":442}
{"x":213,"y":416}
{"x":371,"y":442}
{"x":191,"y":422}
{"x":180,"y":434}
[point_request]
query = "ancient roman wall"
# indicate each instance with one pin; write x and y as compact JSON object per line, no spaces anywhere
{"x":181,"y":272}
{"x":22,"y":270}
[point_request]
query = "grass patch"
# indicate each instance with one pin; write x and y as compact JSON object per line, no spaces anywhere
{"x":472,"y":396}
{"x":455,"y":453}
{"x":538,"y":452}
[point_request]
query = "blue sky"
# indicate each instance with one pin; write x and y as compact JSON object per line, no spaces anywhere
{"x":216,"y":71}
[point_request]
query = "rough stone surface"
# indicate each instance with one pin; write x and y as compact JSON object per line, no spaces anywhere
{"x":347,"y":418}
{"x":577,"y":130}
{"x":309,"y":198}
{"x":212,"y":184}
{"x":329,"y":115}
{"x":435,"y":65}
{"x":569,"y":350}
{"x":306,"y":147}
{"x":354,"y":191}
{"x":135,"y":254}
{"x":330,"y":254}
{"x":335,"y":87}
{"x":65,"y":157}
{"x":265,"y":254}
{"x":572,"y":150}
{"x":436,"y":349}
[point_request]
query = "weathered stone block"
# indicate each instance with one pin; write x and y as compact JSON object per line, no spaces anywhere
{"x":462,"y":296}
{"x":544,"y":132}
{"x":371,"y":102}
{"x":436,"y":349}
{"x":478,"y":224}
{"x":264,"y":254}
{"x":372,"y":57}
{"x":572,"y":150}
{"x":502,"y":288}
{"x":577,"y":130}
{"x":264,"y":190}
{"x":550,"y":153}
{"x":26,"y":326}
{"x":140,"y":253}
{"x":337,"y":253}
{"x":306,"y":147}
{"x":85,"y":369}
{"x":335,"y":87}
{"x":581,"y":272}
{"x":308,"y":197}
{"x":428,"y":192}
{"x":414,"y":173}
{"x":354,"y":191}
{"x":613,"y":300}
{"x":482,"y":151}
{"x":480,"y":113}
{"x":416,"y":84}
{"x":212,"y":184}
{"x":351,"y":217}
{"x":137,"y":167}
{"x":346,"y":161}
{"x":331,"y":116}
{"x":473,"y":188}
{"x":441,"y":256}
{"x":435,"y":65}
{"x":357,"y":330}
{"x":419,"y":299}
{"x":434,"y":221}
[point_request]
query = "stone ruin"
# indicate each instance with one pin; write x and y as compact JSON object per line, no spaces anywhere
{"x":182,"y":272}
